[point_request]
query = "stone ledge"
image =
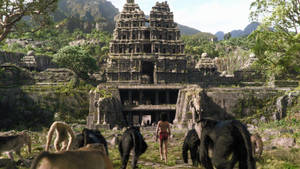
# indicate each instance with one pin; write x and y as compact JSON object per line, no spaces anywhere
{"x":150,"y":108}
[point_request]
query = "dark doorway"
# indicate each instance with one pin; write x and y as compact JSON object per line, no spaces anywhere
{"x":147,"y":72}
{"x":147,"y":48}
{"x":149,"y":97}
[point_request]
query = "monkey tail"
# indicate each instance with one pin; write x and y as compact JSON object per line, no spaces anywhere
{"x":50,"y":134}
{"x":246,"y":138}
{"x":185,"y":151}
{"x":38,"y":159}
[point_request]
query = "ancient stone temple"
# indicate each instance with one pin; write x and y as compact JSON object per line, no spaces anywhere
{"x":147,"y":69}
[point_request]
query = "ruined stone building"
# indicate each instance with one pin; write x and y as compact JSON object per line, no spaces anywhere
{"x":146,"y":50}
{"x":148,"y":66}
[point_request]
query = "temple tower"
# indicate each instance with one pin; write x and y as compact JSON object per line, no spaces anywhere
{"x":146,"y":50}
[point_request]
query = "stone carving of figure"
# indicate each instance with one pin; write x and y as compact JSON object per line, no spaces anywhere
{"x":101,"y":111}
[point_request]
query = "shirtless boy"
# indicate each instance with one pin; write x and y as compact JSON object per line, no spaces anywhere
{"x":163,"y":132}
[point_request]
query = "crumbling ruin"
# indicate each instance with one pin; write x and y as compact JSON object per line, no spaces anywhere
{"x":148,"y":67}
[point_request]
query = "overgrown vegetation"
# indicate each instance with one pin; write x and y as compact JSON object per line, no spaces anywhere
{"x":277,"y":42}
{"x":76,"y":59}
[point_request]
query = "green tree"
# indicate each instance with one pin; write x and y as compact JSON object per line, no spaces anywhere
{"x":277,"y":42}
{"x":281,"y":14}
{"x":13,"y":11}
{"x":200,"y":43}
{"x":227,"y":36}
{"x":76,"y":59}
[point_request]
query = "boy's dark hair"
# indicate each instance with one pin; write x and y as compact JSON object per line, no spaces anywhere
{"x":163,"y":117}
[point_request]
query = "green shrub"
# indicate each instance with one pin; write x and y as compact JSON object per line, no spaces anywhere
{"x":76,"y":59}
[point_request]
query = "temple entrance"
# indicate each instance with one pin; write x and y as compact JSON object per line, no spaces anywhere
{"x":147,"y":117}
{"x":147,"y":72}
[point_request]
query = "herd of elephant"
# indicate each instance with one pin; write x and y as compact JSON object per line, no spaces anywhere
{"x":219,"y":144}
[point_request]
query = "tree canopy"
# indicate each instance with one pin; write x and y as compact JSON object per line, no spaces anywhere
{"x":13,"y":13}
{"x":277,"y":41}
{"x":76,"y":59}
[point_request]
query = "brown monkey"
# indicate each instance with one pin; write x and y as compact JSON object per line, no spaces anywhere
{"x":62,"y":132}
{"x":92,"y":156}
{"x":14,"y":143}
{"x":257,"y":145}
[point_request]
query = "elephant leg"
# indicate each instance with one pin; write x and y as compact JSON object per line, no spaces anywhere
{"x":125,"y":158}
{"x":134,"y":161}
{"x":193,"y":152}
{"x":222,"y":151}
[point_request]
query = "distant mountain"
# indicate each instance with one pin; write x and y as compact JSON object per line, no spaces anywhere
{"x":251,"y":27}
{"x":86,"y":14}
{"x":203,"y":36}
{"x":93,"y":14}
{"x":220,"y":35}
{"x":185,"y":30}
{"x":239,"y":33}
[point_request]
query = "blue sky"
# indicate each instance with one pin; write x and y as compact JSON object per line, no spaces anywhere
{"x":204,"y":15}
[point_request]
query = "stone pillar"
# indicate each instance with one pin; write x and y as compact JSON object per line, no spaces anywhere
{"x":130,"y":118}
{"x":156,"y":98}
{"x":140,"y":97}
{"x":140,"y":118}
{"x":168,"y":97}
{"x":130,"y":97}
{"x":104,"y":118}
{"x":99,"y":115}
{"x":152,"y":47}
{"x":155,"y":74}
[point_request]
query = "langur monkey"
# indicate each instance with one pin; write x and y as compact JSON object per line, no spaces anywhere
{"x":257,"y":145}
{"x":62,"y":132}
{"x":14,"y":143}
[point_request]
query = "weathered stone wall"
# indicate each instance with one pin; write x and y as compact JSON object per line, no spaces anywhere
{"x":12,"y":75}
{"x":223,"y":103}
{"x":206,"y":79}
{"x":43,"y":62}
{"x":52,"y":76}
{"x":112,"y":107}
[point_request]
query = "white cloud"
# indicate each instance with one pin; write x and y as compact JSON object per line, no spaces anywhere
{"x":205,"y":15}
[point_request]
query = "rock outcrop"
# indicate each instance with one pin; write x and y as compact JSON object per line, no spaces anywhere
{"x":282,"y":104}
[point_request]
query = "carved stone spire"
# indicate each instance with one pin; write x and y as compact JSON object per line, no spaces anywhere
{"x":130,"y":1}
